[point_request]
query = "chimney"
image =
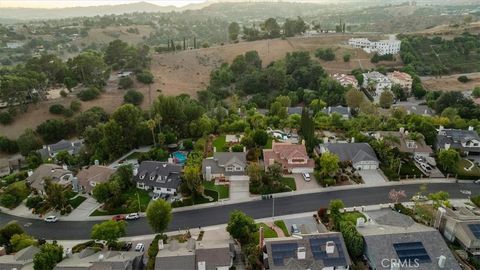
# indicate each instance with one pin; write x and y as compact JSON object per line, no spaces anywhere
{"x":441,"y":128}
{"x":402,"y":130}
{"x":65,"y":167}
{"x":97,"y":162}
{"x":439,"y":216}
{"x":352,"y":140}
{"x":170,"y":161}
{"x":214,"y":149}
{"x":208,"y":173}
{"x":160,"y":244}
{"x":441,"y":261}
{"x":271,"y":161}
{"x":447,"y":146}
{"x":303,"y":142}
{"x":100,"y":258}
{"x":330,"y":247}
{"x":301,"y":253}
{"x":470,"y":128}
{"x":244,"y":149}
{"x":30,"y":172}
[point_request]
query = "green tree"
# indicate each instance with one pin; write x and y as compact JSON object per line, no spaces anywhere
{"x":48,"y":257}
{"x":233,"y":30}
{"x":133,"y":97}
{"x":439,"y":198}
{"x":353,"y":240}
{"x":307,"y":129}
{"x":335,"y":207}
{"x":108,"y":231}
{"x":260,"y":137}
{"x":159,"y":215}
{"x":329,"y":164}
{"x":271,"y":28}
{"x":89,"y":68}
{"x":28,"y":142}
{"x":448,"y":159}
{"x":55,"y":195}
{"x":476,"y":92}
{"x":255,"y":172}
{"x":8,"y":231}
{"x":125,"y":82}
{"x":386,"y":99}
{"x":192,"y":179}
{"x":145,"y":77}
{"x":354,"y":98}
{"x":346,"y":57}
{"x":241,"y":227}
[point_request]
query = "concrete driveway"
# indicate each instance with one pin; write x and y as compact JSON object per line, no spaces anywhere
{"x":302,"y":184}
{"x":306,"y":225}
{"x":372,"y":177}
{"x":239,"y":187}
{"x":84,"y":209}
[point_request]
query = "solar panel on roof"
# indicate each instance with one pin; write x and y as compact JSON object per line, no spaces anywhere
{"x":280,"y":252}
{"x":411,"y":252}
{"x":317,"y":246}
{"x":475,"y":228}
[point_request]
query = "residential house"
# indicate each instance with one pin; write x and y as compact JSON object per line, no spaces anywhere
{"x":223,"y":165}
{"x":88,"y":177}
{"x":160,"y":177}
{"x":361,"y":155}
{"x":294,"y":110}
{"x":460,"y":225}
{"x":313,"y":251}
{"x":90,"y":259}
{"x":51,"y":150}
{"x":405,"y":143}
{"x":401,"y":78}
{"x":415,"y":109}
{"x":466,"y":141}
{"x":215,"y":251}
{"x":346,"y":80}
{"x":292,"y":157}
{"x":378,"y":82}
{"x":382,"y":47}
{"x":21,"y":260}
{"x":17,"y":162}
{"x":343,"y":111}
{"x":233,"y":138}
{"x":394,"y":241}
{"x":4,"y":167}
{"x":57,"y":174}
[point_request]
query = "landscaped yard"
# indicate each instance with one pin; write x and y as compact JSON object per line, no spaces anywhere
{"x":219,"y":143}
{"x":267,"y":231}
{"x":269,"y":143}
{"x":223,"y":190}
{"x":473,"y":174}
{"x":352,"y":216}
{"x":409,"y":169}
{"x":77,"y":201}
{"x":289,"y":181}
{"x":131,"y":203}
{"x":282,"y":226}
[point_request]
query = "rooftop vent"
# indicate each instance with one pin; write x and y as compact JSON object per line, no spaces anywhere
{"x":330,"y":247}
{"x":301,"y":253}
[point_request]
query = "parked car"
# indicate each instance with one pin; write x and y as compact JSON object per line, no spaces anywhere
{"x":426,"y":167}
{"x":140,"y":247}
{"x":127,"y":246}
{"x":51,"y":219}
{"x":419,"y":198}
{"x":155,"y":196}
{"x":295,"y":229}
{"x":306,"y":177}
{"x":477,"y":181}
{"x":132,"y":216}
{"x":118,"y":218}
{"x":419,"y":159}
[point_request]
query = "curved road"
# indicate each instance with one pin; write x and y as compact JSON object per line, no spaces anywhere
{"x":75,"y":230}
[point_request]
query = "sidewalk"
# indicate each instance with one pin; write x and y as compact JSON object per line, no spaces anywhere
{"x":21,"y":212}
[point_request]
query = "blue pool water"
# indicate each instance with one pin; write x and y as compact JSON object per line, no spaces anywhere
{"x":180,"y":157}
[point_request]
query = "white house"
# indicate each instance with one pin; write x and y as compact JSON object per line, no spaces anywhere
{"x":382,"y":47}
{"x":160,"y":177}
{"x":379,"y":82}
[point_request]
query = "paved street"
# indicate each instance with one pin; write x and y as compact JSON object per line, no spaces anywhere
{"x":257,"y":209}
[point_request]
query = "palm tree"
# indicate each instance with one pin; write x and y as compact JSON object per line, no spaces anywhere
{"x":151,"y":125}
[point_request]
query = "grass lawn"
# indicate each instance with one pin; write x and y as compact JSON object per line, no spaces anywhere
{"x":207,"y":192}
{"x":131,"y":203}
{"x":267,"y":231}
{"x":352,"y":216}
{"x":219,"y":143}
{"x":77,"y":201}
{"x":223,"y":190}
{"x":410,"y":169}
{"x":462,"y":164}
{"x":269,"y":143}
{"x":289,"y":181}
{"x":282,"y":226}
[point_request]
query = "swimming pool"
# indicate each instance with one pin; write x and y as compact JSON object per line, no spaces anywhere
{"x":180,"y":157}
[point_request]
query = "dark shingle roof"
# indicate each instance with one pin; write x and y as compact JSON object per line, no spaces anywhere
{"x":338,"y":109}
{"x":455,"y":137}
{"x":354,"y":152}
{"x":159,"y":174}
{"x":222,"y":159}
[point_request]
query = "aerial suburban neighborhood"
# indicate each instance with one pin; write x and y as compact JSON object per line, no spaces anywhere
{"x":223,"y":135}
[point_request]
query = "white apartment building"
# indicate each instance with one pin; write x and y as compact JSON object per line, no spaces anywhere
{"x":382,"y":47}
{"x":379,"y":81}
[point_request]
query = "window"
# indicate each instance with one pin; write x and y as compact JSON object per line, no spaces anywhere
{"x":410,"y":144}
{"x":230,"y":168}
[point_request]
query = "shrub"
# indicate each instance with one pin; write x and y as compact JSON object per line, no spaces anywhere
{"x":75,"y":106}
{"x":34,"y":202}
{"x":6,"y":118}
{"x":346,"y":57}
{"x":8,"y":201}
{"x":133,"y":97}
{"x":188,"y":144}
{"x":145,"y":77}
{"x":325,"y":54}
{"x":63,"y":93}
{"x":125,"y":83}
{"x":237,"y":148}
{"x":56,"y":109}
{"x":88,"y":94}
{"x":7,"y":145}
{"x":463,"y":79}
{"x":68,"y":113}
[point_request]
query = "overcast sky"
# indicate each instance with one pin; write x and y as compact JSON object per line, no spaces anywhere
{"x":77,"y":3}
